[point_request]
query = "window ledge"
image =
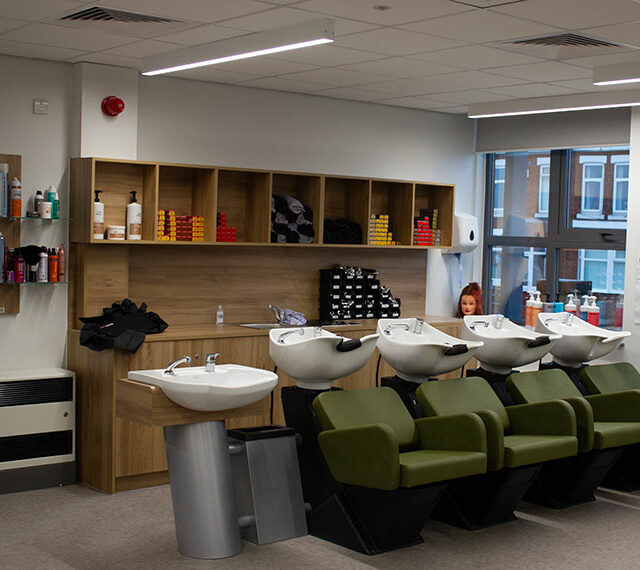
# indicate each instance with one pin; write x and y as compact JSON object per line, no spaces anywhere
{"x":619,"y":217}
{"x":544,"y":215}
{"x":583,"y":216}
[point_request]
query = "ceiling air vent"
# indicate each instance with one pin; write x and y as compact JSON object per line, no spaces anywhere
{"x":98,"y":14}
{"x":565,"y":40}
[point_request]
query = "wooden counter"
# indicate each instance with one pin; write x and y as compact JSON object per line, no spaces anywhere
{"x":116,"y":454}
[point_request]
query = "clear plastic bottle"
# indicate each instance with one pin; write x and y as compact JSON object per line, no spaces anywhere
{"x":570,"y":306}
{"x":220,"y":315}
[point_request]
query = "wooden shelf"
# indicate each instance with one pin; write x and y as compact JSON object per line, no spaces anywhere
{"x":10,"y":296}
{"x":244,"y":195}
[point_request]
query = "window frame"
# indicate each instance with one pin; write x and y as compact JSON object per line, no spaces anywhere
{"x":543,"y":162}
{"x":587,"y":161}
{"x":619,"y":160}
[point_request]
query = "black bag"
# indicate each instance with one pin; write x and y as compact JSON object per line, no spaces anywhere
{"x":123,"y":325}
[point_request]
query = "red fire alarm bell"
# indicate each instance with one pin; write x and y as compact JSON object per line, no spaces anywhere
{"x":112,"y":106}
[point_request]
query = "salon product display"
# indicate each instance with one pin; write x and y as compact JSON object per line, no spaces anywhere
{"x":179,"y":228}
{"x":32,"y":264}
{"x":355,"y":293}
{"x":224,"y":232}
{"x":4,"y":190}
{"x":379,"y":233}
{"x":291,"y":220}
{"x":134,"y":217}
{"x":425,"y":228}
{"x":123,"y":325}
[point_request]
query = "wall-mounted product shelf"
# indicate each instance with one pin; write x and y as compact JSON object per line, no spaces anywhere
{"x":35,"y":283}
{"x":10,"y":296}
{"x":245,"y":197}
{"x":30,"y":218}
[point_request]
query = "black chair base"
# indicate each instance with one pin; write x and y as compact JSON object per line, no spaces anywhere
{"x":496,"y":381}
{"x":486,"y":500}
{"x":571,"y":480}
{"x":625,"y":473}
{"x":572,"y":373}
{"x":407,"y":392}
{"x":373,"y":521}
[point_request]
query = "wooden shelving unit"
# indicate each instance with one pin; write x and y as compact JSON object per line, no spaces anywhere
{"x":10,"y":229}
{"x":245,"y":196}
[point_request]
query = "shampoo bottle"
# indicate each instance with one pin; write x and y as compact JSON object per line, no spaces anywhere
{"x":15,"y":191}
{"x":593,"y":312}
{"x":536,"y":308}
{"x":528,"y":306}
{"x":570,"y":306}
{"x":54,"y":264}
{"x":557,"y":306}
{"x":98,"y":216}
{"x":584,"y":307}
{"x":134,"y":218}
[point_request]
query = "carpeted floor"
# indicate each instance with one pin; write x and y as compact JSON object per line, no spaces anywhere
{"x":76,"y":527}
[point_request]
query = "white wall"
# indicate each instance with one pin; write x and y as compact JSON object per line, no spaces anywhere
{"x":207,"y":123}
{"x":36,"y":337}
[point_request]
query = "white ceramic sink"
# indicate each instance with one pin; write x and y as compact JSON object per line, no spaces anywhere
{"x":229,"y":386}
{"x":315,"y":357}
{"x":581,"y":341}
{"x":506,"y":345}
{"x":418,"y":352}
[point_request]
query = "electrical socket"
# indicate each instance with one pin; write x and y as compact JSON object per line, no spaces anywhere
{"x":40,"y":106}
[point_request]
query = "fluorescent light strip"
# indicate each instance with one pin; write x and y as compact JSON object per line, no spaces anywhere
{"x":541,"y":111}
{"x":239,"y":56}
{"x":618,"y":81}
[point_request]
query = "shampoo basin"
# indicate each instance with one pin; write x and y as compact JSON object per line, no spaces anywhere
{"x":315,"y":357}
{"x":506,"y":345}
{"x":229,"y":386}
{"x":418,"y":351}
{"x":581,"y":341}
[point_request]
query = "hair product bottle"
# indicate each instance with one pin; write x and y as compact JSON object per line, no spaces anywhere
{"x":15,"y":191}
{"x":98,"y":216}
{"x":134,"y":218}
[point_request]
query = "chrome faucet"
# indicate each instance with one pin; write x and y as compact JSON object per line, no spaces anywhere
{"x":388,"y":328}
{"x":473,"y":325}
{"x":287,"y":333}
{"x":498,"y":322}
{"x":210,"y":362}
{"x":184,"y":360}
{"x":417,"y":327}
{"x":278,"y":313}
{"x":317,"y":331}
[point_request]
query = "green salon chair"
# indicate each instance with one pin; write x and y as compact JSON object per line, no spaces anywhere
{"x":394,"y":469}
{"x":609,"y":378}
{"x":519,"y":440}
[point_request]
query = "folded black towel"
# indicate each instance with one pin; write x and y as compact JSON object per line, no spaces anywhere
{"x":341,"y":230}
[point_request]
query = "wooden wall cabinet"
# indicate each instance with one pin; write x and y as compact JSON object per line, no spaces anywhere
{"x":10,"y":229}
{"x":245,"y":196}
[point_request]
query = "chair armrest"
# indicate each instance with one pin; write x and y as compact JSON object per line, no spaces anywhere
{"x":456,"y":432}
{"x":495,"y":439}
{"x":555,"y":417}
{"x":584,"y":422}
{"x":367,"y":456}
{"x":616,"y":407}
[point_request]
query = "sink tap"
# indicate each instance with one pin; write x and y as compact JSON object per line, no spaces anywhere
{"x":210,"y":362}
{"x":278,"y":313}
{"x":317,"y":331}
{"x":498,"y":322}
{"x":287,"y":333}
{"x":473,"y":325}
{"x":417,"y":327}
{"x":184,"y":360}
{"x":388,"y":328}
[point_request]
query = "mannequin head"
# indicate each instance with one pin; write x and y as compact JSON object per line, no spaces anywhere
{"x":470,"y":302}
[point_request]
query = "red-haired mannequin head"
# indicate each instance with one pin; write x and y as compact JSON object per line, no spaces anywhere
{"x":470,"y":302}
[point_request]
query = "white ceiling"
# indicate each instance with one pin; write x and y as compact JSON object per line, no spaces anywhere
{"x":428,"y":54}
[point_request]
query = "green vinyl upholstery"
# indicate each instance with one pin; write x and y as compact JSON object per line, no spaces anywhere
{"x":608,"y":378}
{"x":369,"y":439}
{"x":515,"y":435}
{"x":603,"y":421}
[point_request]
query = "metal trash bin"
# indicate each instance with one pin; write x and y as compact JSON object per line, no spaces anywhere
{"x":266,"y":480}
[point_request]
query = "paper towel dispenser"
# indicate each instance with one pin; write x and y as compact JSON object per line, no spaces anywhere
{"x":466,"y":236}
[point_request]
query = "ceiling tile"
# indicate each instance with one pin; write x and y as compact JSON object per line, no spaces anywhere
{"x":545,"y":71}
{"x":400,"y":11}
{"x":454,"y":110}
{"x":7,"y":24}
{"x":573,"y":14}
{"x":20,"y":49}
{"x":108,"y":59}
{"x":587,"y":85}
{"x":476,"y":57}
{"x":530,"y":90}
{"x":37,"y":9}
{"x":626,"y":56}
{"x":469,"y":96}
{"x":263,"y":66}
{"x":202,"y":35}
{"x":194,"y":10}
{"x":143,"y":48}
{"x":628,"y":34}
{"x":480,"y":26}
{"x":213,"y":74}
{"x":400,"y":67}
{"x":281,"y":84}
{"x":391,"y":41}
{"x":328,"y":55}
{"x":352,"y":93}
{"x":413,"y":102}
{"x":332,"y":76}
{"x":86,"y":40}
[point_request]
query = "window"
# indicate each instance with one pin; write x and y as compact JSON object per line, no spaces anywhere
{"x":620,"y":186}
{"x":562,"y":228}
{"x":498,"y":189}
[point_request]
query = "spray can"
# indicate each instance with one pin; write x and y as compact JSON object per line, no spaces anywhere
{"x":43,"y":266}
{"x":528,"y":306}
{"x":570,"y":306}
{"x":15,"y":191}
{"x":53,"y":266}
{"x":584,"y":307}
{"x":536,"y":308}
{"x":593,"y":312}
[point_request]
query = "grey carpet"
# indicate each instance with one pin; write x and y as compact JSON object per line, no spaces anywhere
{"x":76,"y":527}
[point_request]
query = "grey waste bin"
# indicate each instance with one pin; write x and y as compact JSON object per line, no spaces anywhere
{"x":266,"y":480}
